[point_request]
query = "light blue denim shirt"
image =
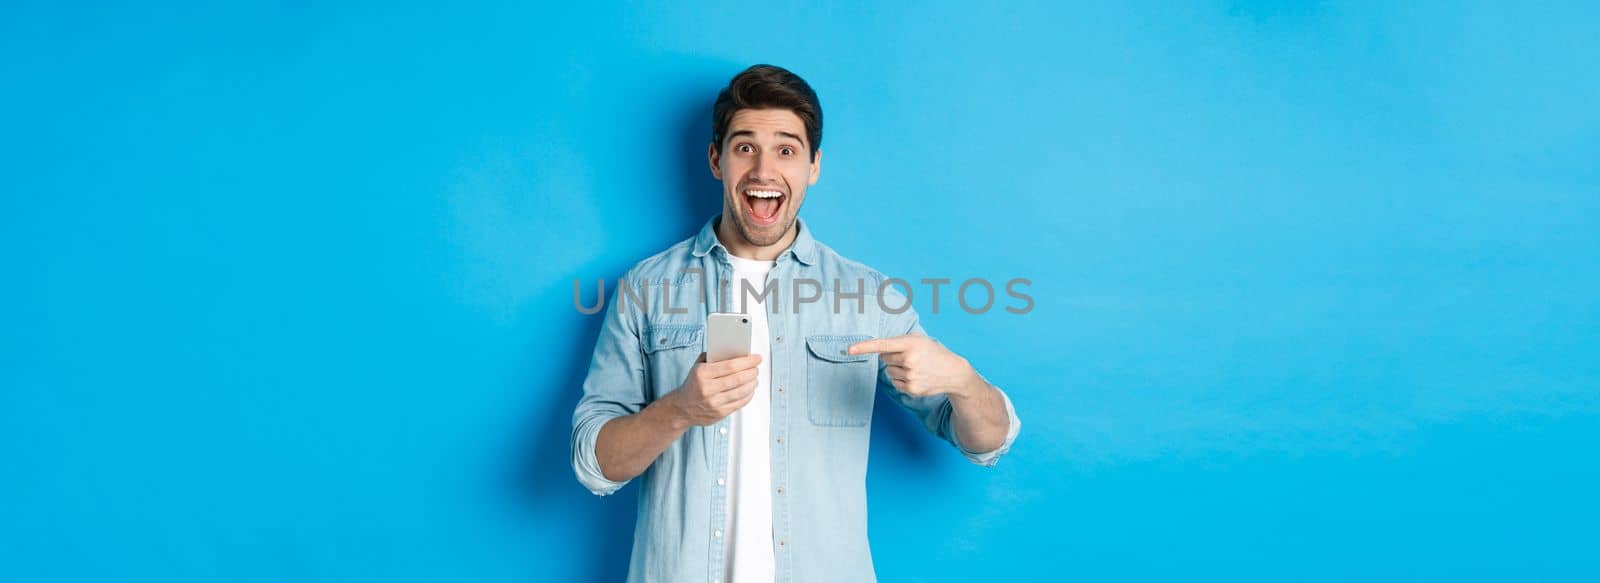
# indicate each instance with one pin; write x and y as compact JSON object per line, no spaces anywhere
{"x":822,"y":401}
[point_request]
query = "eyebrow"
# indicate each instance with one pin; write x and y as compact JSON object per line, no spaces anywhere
{"x":751,"y":134}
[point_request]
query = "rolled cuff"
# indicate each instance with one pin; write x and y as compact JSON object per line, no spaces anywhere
{"x":989,"y":458}
{"x":584,"y":461}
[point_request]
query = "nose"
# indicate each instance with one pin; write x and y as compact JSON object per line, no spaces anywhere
{"x":763,"y":168}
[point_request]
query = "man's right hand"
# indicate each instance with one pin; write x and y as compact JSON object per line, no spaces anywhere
{"x":715,"y":390}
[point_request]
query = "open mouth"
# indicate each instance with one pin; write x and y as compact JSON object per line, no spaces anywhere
{"x":764,"y":206}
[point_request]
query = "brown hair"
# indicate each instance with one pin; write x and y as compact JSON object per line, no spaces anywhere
{"x":763,"y":87}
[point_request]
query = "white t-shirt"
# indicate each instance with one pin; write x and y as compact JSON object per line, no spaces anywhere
{"x":749,"y":525}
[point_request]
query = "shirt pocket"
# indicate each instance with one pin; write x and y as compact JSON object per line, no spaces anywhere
{"x":839,"y":385}
{"x":671,"y":350}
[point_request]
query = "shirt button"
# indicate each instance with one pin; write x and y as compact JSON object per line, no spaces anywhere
{"x":780,"y":489}
{"x":780,"y":440}
{"x":783,"y":542}
{"x":720,"y":481}
{"x":722,"y":430}
{"x":780,"y":389}
{"x":663,"y":341}
{"x":778,"y":339}
{"x":719,"y":533}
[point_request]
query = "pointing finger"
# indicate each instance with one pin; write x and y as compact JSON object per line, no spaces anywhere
{"x":877,"y":345}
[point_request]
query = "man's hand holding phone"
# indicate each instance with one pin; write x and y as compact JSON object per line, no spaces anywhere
{"x":715,"y":390}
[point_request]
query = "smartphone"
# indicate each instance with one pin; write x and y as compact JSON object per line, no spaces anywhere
{"x":727,"y":336}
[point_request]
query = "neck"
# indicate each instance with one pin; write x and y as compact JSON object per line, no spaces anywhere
{"x":738,"y":246}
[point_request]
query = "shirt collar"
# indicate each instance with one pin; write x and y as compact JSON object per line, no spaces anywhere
{"x":804,"y":247}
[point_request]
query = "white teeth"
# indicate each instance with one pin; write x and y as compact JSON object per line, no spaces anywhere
{"x":763,"y":193}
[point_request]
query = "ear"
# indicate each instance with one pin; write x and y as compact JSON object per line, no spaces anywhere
{"x":816,"y":168}
{"x":716,"y":167}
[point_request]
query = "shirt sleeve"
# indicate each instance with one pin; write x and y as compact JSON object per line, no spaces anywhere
{"x":615,"y":387}
{"x":936,"y":411}
{"x":988,"y":458}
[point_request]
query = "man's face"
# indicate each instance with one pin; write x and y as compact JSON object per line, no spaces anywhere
{"x":765,"y":166}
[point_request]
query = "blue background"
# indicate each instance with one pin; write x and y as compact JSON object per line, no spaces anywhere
{"x":288,"y":288}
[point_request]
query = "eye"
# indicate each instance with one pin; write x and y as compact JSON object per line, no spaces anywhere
{"x":787,"y":151}
{"x":744,"y":149}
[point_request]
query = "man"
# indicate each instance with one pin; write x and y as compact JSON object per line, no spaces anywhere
{"x":754,"y":468}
